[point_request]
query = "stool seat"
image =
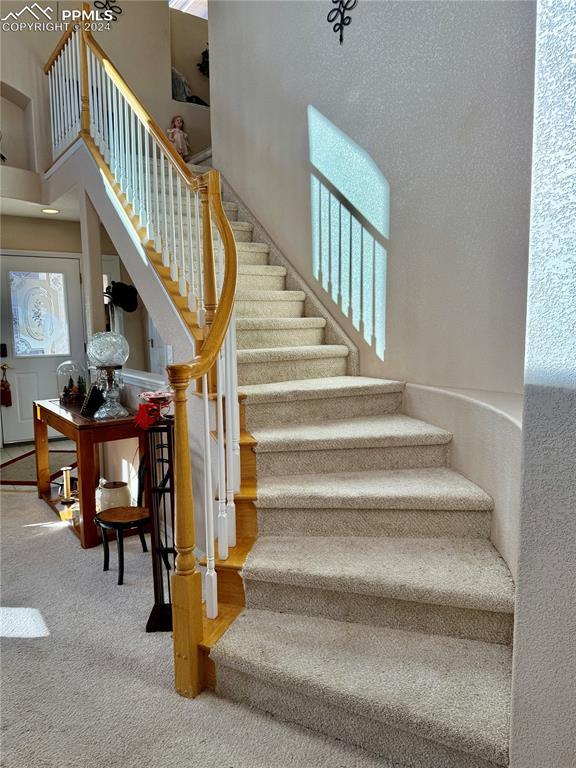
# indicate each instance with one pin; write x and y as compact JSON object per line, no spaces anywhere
{"x":120,"y":519}
{"x":123,"y":516}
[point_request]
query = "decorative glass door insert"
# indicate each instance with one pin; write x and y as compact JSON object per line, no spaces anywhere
{"x":39,"y":314}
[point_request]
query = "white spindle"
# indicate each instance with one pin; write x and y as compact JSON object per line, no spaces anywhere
{"x":156,"y":193}
{"x":147,"y":186}
{"x":222,"y":510}
{"x":229,"y":413}
{"x":51,"y":100}
{"x":189,"y":242}
{"x":182,"y":282}
{"x":201,"y":316}
{"x":140,"y":158}
{"x":133,"y":149}
{"x":67,"y":93}
{"x":100,"y":102}
{"x":77,"y":80}
{"x":120,"y":175}
{"x":211,"y":586}
{"x":173,"y":260}
{"x":56,"y":92}
{"x":164,"y":201}
{"x":127,"y":153}
{"x":235,"y":405}
{"x":110,"y":123}
{"x":91,"y":100}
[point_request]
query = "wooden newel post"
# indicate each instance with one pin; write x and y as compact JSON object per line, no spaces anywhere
{"x":186,"y":581}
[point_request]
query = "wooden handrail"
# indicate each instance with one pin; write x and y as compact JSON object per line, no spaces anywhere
{"x":186,"y":580}
{"x":194,"y":182}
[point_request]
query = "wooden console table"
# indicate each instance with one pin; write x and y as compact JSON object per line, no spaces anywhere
{"x":87,"y":434}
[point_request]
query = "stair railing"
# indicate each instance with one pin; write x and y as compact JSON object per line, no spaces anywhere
{"x":178,"y":219}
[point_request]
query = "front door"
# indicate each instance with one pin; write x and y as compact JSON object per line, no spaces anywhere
{"x":42,"y":325}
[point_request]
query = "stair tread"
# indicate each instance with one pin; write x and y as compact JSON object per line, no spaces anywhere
{"x":392,"y":429}
{"x":429,"y":489}
{"x":255,"y":295}
{"x":275,"y":354}
{"x":458,"y":572}
{"x":261,"y":269}
{"x":258,"y":247}
{"x":452,"y":691}
{"x":277,"y":323}
{"x":312,"y":389}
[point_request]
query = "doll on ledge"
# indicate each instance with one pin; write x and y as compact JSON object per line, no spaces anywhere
{"x":176,"y":134}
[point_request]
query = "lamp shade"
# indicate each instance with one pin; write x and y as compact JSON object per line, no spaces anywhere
{"x":108,"y":349}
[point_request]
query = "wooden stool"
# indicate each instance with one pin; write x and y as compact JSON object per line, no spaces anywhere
{"x":120,"y":519}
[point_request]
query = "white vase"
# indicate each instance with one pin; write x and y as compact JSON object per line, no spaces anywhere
{"x":112,"y":493}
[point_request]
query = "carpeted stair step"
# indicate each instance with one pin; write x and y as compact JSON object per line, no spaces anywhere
{"x":261,"y":277}
{"x":252,"y":253}
{"x":282,"y":363}
{"x":408,"y":502}
{"x":242,"y":230}
{"x":310,"y":400}
{"x":266,"y":332}
{"x":270,"y":303}
{"x":391,"y":441}
{"x":457,"y":587}
{"x":420,"y":700}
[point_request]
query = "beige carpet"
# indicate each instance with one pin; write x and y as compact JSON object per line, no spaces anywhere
{"x":22,"y":471}
{"x":97,"y":690}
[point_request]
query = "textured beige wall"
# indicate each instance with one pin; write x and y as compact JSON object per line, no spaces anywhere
{"x":14,"y":144}
{"x":138,"y":45}
{"x":188,"y":38}
{"x":32,"y":234}
{"x":544,"y":674}
{"x":440,"y":95}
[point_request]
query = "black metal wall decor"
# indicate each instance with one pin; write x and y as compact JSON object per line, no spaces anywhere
{"x":338,"y":16}
{"x":106,"y":5}
{"x":160,"y":454}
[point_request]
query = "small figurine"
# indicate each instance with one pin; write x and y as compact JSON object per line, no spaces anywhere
{"x":178,"y":136}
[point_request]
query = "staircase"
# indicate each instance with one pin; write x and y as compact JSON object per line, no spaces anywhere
{"x":377,"y":610}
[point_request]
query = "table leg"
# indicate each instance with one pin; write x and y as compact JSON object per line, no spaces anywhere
{"x":42,"y":458}
{"x":87,"y":482}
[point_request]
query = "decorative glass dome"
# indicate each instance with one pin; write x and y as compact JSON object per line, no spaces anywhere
{"x":72,"y":378}
{"x":108,"y":349}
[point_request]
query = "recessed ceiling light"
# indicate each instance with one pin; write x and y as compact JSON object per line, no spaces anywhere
{"x":50,"y":210}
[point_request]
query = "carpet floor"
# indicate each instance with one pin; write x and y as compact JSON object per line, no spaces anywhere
{"x":22,"y":470}
{"x":93,"y":690}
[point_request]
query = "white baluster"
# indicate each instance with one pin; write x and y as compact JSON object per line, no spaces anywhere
{"x":235,"y":404}
{"x":165,"y":238}
{"x":56,"y":91}
{"x":52,"y":112}
{"x":211,"y":586}
{"x":222,"y":510}
{"x":77,"y":80}
{"x":156,"y":194}
{"x":133,"y":150}
{"x":182,"y":270}
{"x":201,"y":316}
{"x":189,"y":240}
{"x":67,"y":94}
{"x":127,"y":151}
{"x":173,"y":252}
{"x":147,"y":184}
{"x":140,"y":159}
{"x":100,"y":103}
{"x":91,"y":99}
{"x":110,"y":115}
{"x":230,"y":470}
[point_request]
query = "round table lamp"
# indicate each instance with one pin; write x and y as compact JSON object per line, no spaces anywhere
{"x":108,"y":351}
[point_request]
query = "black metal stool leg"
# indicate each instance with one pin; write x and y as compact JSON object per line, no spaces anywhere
{"x":120,"y":539}
{"x":142,"y":539}
{"x":105,"y":547}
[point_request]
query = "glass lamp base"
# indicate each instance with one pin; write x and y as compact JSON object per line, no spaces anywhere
{"x":111,"y":409}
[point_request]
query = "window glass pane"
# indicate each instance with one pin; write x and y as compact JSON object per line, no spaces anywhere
{"x":39,"y":314}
